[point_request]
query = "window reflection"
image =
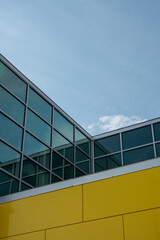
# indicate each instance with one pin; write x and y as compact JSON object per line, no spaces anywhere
{"x":137,"y":137}
{"x":107,"y":145}
{"x":157,"y":131}
{"x":108,"y":162}
{"x":84,"y":166}
{"x":8,"y":184}
{"x":34,"y":174}
{"x":78,"y":173}
{"x":37,"y":103}
{"x":82,"y":141}
{"x":138,"y":155}
{"x":12,"y":82}
{"x":63,"y":125}
{"x":37,"y":150}
{"x":11,"y":106}
{"x":10,"y":132}
{"x":9,"y":159}
{"x":24,"y":187}
{"x":82,"y":161}
{"x":61,"y":145}
{"x":61,"y":167}
{"x":38,"y":127}
{"x":158,"y":149}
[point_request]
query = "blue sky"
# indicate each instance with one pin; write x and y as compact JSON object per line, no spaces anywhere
{"x":99,"y":60}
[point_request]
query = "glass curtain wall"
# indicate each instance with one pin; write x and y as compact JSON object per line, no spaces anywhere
{"x":38,"y":145}
{"x":127,"y":147}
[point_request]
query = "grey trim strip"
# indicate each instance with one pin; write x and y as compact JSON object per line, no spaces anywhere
{"x":125,"y":129}
{"x":83,"y":180}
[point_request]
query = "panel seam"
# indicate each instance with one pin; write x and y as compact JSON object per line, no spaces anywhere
{"x":123,"y":227}
{"x":82,"y":205}
{"x":91,"y":220}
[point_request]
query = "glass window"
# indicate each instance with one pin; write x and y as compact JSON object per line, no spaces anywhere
{"x":82,"y":141}
{"x":57,"y":161}
{"x":82,"y":161}
{"x":61,"y":145}
{"x":10,"y":132}
{"x":9,"y":159}
{"x":39,"y":105}
{"x":36,"y":150}
{"x":38,"y":127}
{"x":108,"y":162}
{"x":63,"y":125}
{"x":24,"y":187}
{"x":11,"y":106}
{"x":55,"y":179}
{"x":84,"y":166}
{"x":61,"y":167}
{"x":80,"y":156}
{"x":138,"y":155}
{"x":157,"y":131}
{"x":107,"y":145}
{"x":8,"y":184}
{"x":158,"y":149}
{"x":68,"y":171}
{"x":79,"y":173}
{"x":137,"y":137}
{"x":12,"y":82}
{"x":34,"y":174}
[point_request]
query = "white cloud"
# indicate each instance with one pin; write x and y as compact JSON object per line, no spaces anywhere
{"x":109,"y":123}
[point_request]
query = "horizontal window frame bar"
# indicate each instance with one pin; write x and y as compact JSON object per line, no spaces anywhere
{"x":10,"y":118}
{"x":13,"y":95}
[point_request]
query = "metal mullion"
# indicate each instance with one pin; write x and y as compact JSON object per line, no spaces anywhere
{"x":52,"y":173}
{"x":23,"y":138}
{"x":81,"y":170}
{"x":144,"y":145}
{"x":63,"y":136}
{"x":43,"y":95}
{"x":5,"y":88}
{"x":31,"y":109}
{"x":74,"y":150}
{"x":9,"y":117}
{"x":153,"y":137}
{"x":107,"y":155}
{"x":37,"y":175}
{"x":17,"y":150}
{"x":92,"y":156}
{"x":25,"y":183}
{"x":101,"y":167}
{"x":63,"y":157}
{"x":32,"y":134}
{"x":51,"y":154}
{"x":10,"y":174}
{"x":121,"y":146}
{"x":83,"y":151}
{"x":39,"y":164}
{"x":82,"y":161}
{"x":10,"y":185}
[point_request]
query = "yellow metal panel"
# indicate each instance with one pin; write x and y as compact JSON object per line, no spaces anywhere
{"x":109,"y":228}
{"x":42,"y":211}
{"x":142,"y":225}
{"x":122,"y":194}
{"x":29,"y":236}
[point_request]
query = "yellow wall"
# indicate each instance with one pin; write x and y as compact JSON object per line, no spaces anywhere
{"x":125,"y":207}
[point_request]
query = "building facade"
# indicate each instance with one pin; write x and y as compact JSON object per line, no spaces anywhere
{"x":58,"y":181}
